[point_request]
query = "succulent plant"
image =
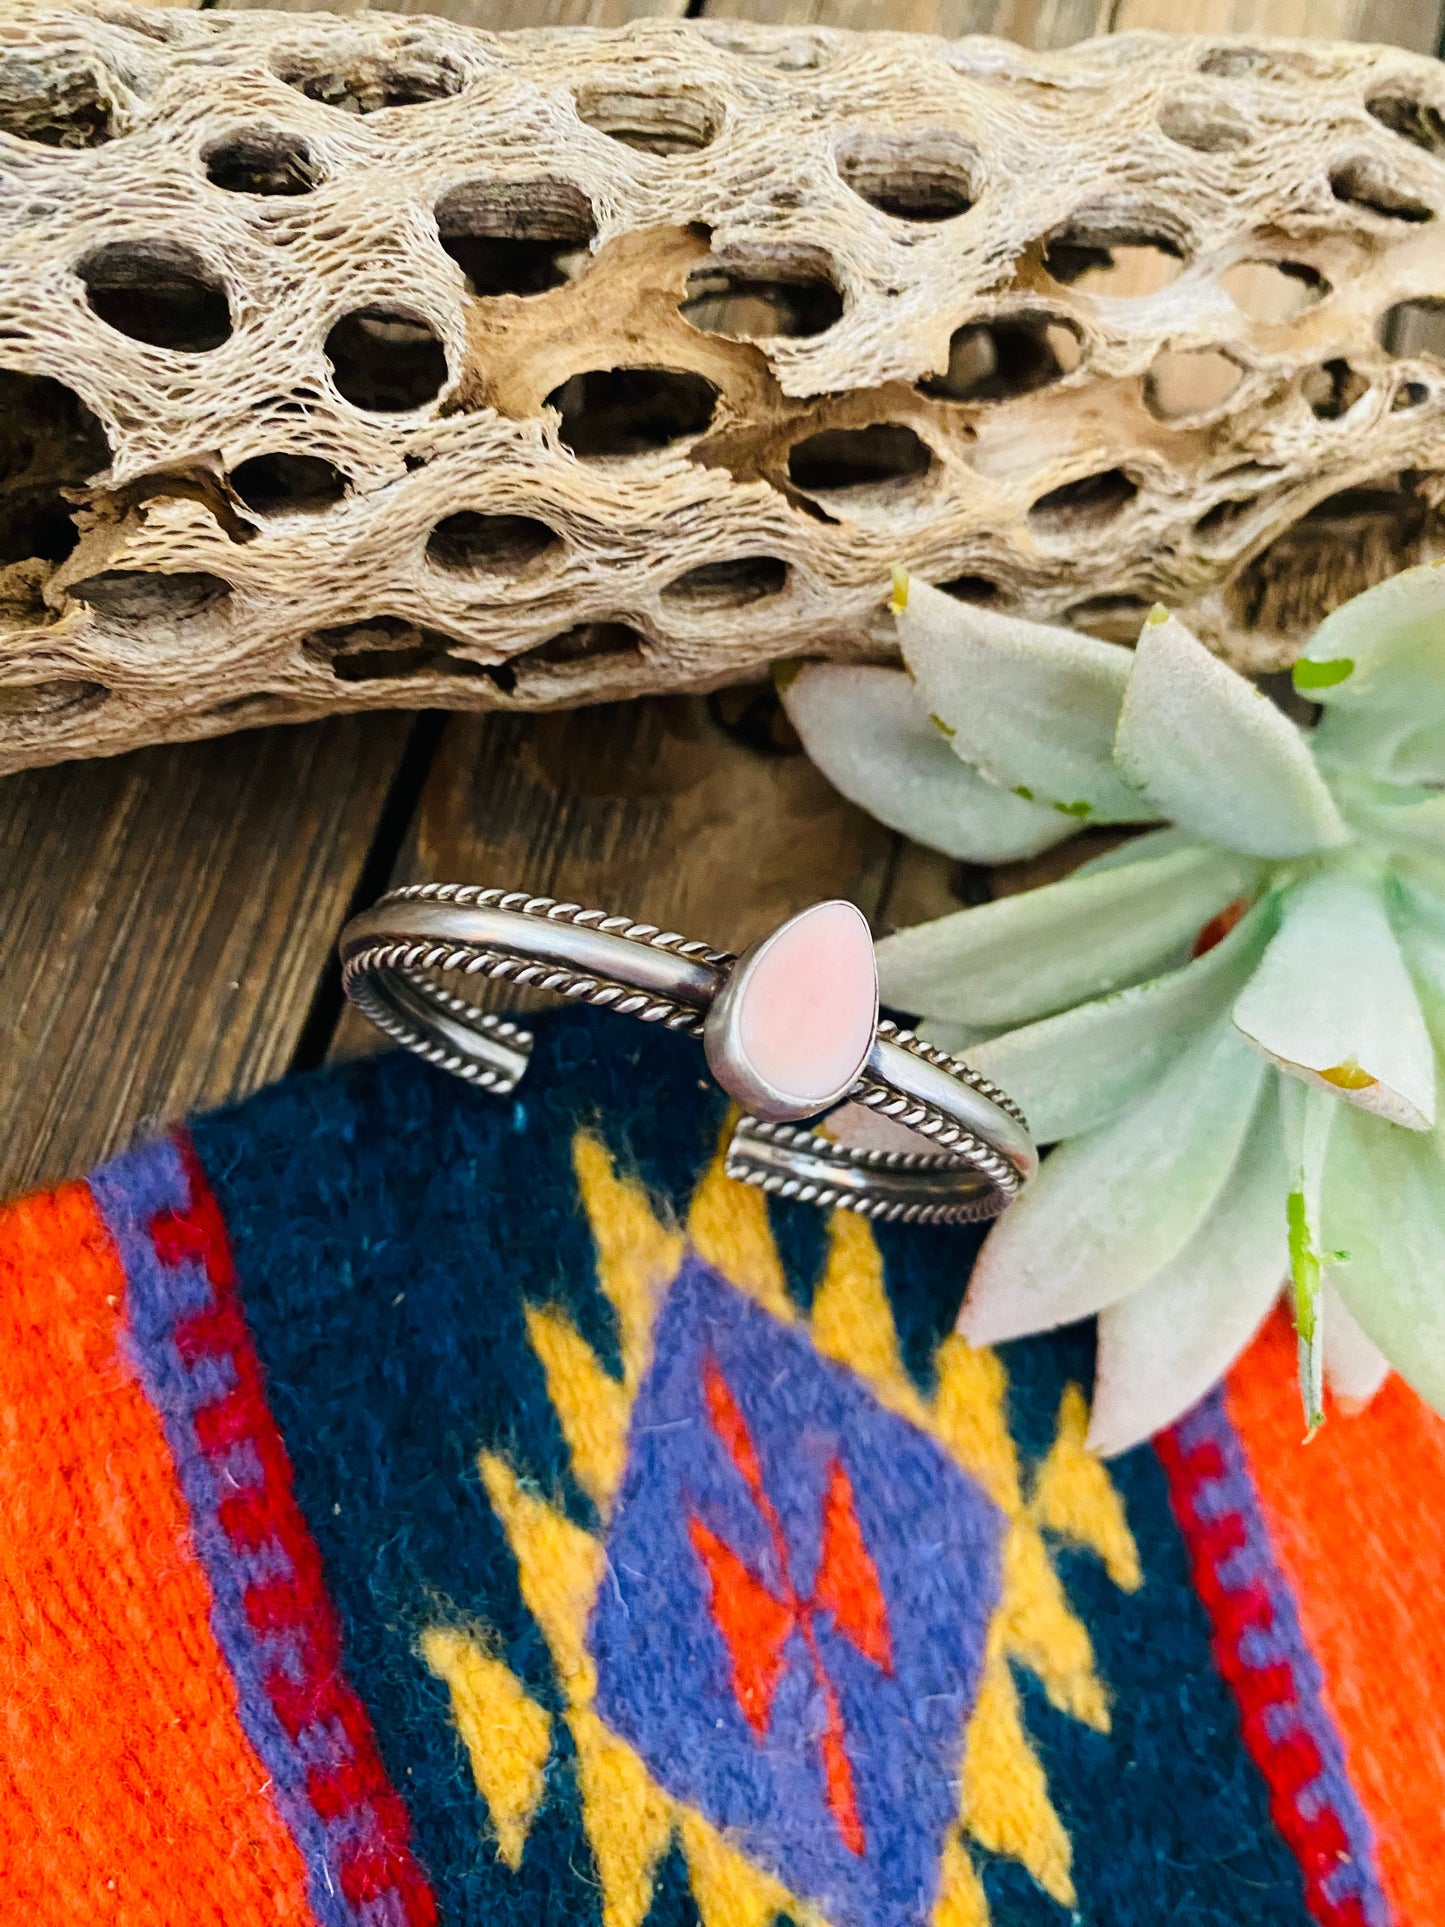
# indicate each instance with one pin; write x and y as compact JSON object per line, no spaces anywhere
{"x":1227,"y":1025}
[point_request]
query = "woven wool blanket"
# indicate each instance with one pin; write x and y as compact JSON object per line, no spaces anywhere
{"x":424,"y":1508}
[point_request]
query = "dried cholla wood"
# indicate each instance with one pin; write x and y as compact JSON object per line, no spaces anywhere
{"x":373,"y":361}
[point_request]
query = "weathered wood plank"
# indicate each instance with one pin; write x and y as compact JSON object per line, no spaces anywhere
{"x":1013,"y":19}
{"x":493,"y":16}
{"x":1414,"y":24}
{"x":1059,"y":23}
{"x":165,"y":919}
{"x":652,"y":809}
{"x":1403,"y":23}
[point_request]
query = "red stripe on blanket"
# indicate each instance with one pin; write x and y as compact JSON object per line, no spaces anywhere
{"x":1262,"y":1651}
{"x":296,"y":1612}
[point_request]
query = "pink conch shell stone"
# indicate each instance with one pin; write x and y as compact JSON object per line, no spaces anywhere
{"x":807,"y":1006}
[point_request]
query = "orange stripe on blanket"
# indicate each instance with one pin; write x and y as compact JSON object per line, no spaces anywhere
{"x":1355,"y":1518}
{"x":128,"y":1791}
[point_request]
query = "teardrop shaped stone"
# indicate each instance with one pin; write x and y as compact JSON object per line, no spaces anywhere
{"x":804,"y":1010}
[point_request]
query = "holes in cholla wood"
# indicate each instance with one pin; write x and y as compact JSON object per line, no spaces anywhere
{"x":586,"y":641}
{"x":516,"y":237}
{"x":391,"y":649}
{"x":386,"y":361}
{"x":149,"y":595}
{"x":1090,"y":502}
{"x":731,"y":584}
{"x":1413,"y":120}
{"x":993,"y":360}
{"x":980,"y":589}
{"x":655,"y":123}
{"x":1186,"y":382}
{"x":49,"y":441}
{"x":630,"y":411}
{"x":753,"y":302}
{"x":251,"y":710}
{"x":281,"y":483}
{"x":187,"y":482}
{"x":56,"y":107}
{"x":838,"y":459}
{"x":157,"y":291}
{"x":1121,"y":257}
{"x":1360,"y":182}
{"x":1254,"y":486}
{"x":1283,"y":65}
{"x":1112,"y":618}
{"x":1273,"y":290}
{"x":469,"y":543}
{"x":367,"y":83}
{"x":914,"y":174}
{"x":48,"y":701}
{"x":990,"y":362}
{"x":1414,"y":327}
{"x":1207,"y":124}
{"x":262,"y":160}
{"x":801,"y":55}
{"x":1333,"y":388}
{"x":1340,"y":547}
{"x":1217,"y":524}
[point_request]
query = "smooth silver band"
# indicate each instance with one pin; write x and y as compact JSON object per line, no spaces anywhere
{"x":974,"y":1150}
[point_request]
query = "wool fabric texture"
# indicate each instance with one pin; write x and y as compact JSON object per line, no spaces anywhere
{"x":430,"y":1509}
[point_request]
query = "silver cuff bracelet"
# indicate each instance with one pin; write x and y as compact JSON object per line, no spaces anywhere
{"x":973,"y":1146}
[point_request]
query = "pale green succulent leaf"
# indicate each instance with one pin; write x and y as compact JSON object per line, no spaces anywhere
{"x":869,"y":732}
{"x":955,"y":1037}
{"x":1332,"y":1002}
{"x":1384,"y":1210}
{"x":1139,"y":848}
{"x":1030,"y":705}
{"x":1385,"y":712}
{"x":1216,"y":756}
{"x":1355,"y":1367}
{"x":1394,"y":817}
{"x":1161,"y":1348}
{"x":1028,"y":955}
{"x":1110,"y":1209}
{"x":1418,"y":917}
{"x":1076,"y":1071}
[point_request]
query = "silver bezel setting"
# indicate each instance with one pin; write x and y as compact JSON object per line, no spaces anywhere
{"x":727,"y":1053}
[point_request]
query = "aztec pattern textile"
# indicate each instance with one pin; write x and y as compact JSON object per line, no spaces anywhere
{"x":421,"y":1508}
